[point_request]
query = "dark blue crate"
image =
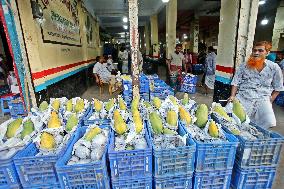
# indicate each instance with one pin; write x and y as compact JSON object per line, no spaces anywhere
{"x":253,"y":178}
{"x":17,"y":109}
{"x":9,"y":178}
{"x":198,"y":68}
{"x":173,"y":162}
{"x":191,"y":89}
{"x":215,"y":155}
{"x":190,"y":79}
{"x":87,"y":121}
{"x":91,"y":175}
{"x":261,"y":152}
{"x":134,"y":183}
{"x":130,"y":163}
{"x":212,"y":179}
{"x":37,"y":171}
{"x":279,"y":100}
{"x":181,"y":182}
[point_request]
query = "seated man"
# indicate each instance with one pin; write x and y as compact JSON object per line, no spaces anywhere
{"x":102,"y":74}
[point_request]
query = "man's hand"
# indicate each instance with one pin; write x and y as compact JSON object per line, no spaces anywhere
{"x":97,"y":80}
{"x":272,"y":99}
{"x":231,"y":98}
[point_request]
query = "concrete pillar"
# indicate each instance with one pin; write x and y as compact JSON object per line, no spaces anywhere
{"x":278,"y":27}
{"x":194,"y":30}
{"x":134,"y":45}
{"x":235,"y":41}
{"x":195,"y":34}
{"x":147,"y":38}
{"x":171,"y":23}
{"x":246,"y":31}
{"x":154,"y":35}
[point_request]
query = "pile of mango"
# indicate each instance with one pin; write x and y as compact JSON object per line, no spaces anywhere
{"x":90,"y":147}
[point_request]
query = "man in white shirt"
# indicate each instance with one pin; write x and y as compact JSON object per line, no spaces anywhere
{"x":175,"y":63}
{"x":123,"y":56}
{"x":101,"y":72}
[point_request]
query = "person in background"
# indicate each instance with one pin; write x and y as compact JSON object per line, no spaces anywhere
{"x":201,"y":60}
{"x":256,"y":84}
{"x":176,"y":62}
{"x":110,"y":66}
{"x":101,"y":72}
{"x":281,"y":65}
{"x":210,"y":67}
{"x":188,"y":61}
{"x":271,"y":56}
{"x":123,"y":57}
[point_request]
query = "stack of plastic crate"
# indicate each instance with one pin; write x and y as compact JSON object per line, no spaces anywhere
{"x":17,"y":108}
{"x":173,"y":167}
{"x":130,"y":169}
{"x":158,"y":88}
{"x":257,"y":160}
{"x":214,"y":162}
{"x":189,"y":84}
{"x":144,"y":87}
{"x":127,"y":91}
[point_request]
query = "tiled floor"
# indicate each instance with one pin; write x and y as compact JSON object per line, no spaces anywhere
{"x":93,"y":92}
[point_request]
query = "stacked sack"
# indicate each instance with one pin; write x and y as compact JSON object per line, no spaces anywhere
{"x":129,"y":152}
{"x":173,"y":152}
{"x":215,"y":150}
{"x":189,"y":82}
{"x":258,"y":153}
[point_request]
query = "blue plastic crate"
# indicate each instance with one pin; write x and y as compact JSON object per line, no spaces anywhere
{"x":181,"y":182}
{"x":17,"y":108}
{"x":9,"y":178}
{"x":215,"y":155}
{"x":190,"y":79}
{"x":135,"y":183}
{"x":253,"y":178}
{"x":130,"y":163}
{"x":261,"y":152}
{"x":212,"y":179}
{"x":87,"y":121}
{"x":37,"y":171}
{"x":198,"y":68}
{"x":279,"y":100}
{"x":91,"y":175}
{"x":188,"y":88}
{"x":173,"y":162}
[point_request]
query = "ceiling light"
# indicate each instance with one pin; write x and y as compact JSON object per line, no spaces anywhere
{"x":125,"y":19}
{"x":165,"y":1}
{"x":185,"y":36}
{"x":125,"y":27}
{"x":264,"y":21}
{"x":262,"y":2}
